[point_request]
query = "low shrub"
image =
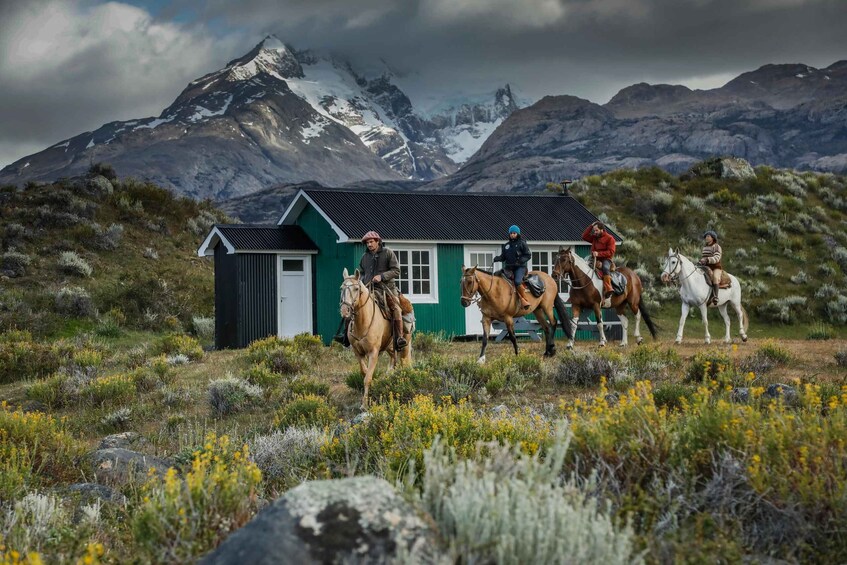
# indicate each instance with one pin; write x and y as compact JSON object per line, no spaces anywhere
{"x":202,"y":223}
{"x":261,"y":375}
{"x":305,"y":411}
{"x":800,"y":278}
{"x":287,"y":457}
{"x":672,"y":395}
{"x":180,"y":344}
{"x":74,"y":302}
{"x":783,"y":310}
{"x":836,"y":309}
{"x":116,"y":421}
{"x":355,"y":380}
{"x":587,"y":369}
{"x":708,"y":366}
{"x":230,"y":395}
{"x":49,"y":392}
{"x":203,"y":328}
{"x":428,"y":342}
{"x":14,"y":264}
{"x":770,"y":349}
{"x":404,"y":383}
{"x":72,"y":264}
{"x":652,"y":362}
{"x":287,"y":360}
{"x":177,"y":520}
{"x":308,"y":343}
{"x":109,"y":238}
{"x":512,"y":508}
{"x":114,"y":389}
{"x":841,"y":357}
{"x":299,"y":386}
{"x":26,"y":359}
{"x":820,"y":331}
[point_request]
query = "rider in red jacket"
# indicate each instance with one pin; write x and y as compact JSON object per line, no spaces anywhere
{"x":603,"y":249}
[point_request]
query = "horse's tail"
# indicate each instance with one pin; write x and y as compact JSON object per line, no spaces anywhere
{"x":559,"y":304}
{"x":647,"y":319}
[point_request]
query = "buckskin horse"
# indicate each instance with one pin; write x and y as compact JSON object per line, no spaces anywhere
{"x":369,"y":332}
{"x":694,"y":291}
{"x":586,"y":292}
{"x":498,"y":301}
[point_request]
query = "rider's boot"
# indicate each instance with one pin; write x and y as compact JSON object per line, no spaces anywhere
{"x":341,"y":335}
{"x":713,"y":300}
{"x":607,"y":291}
{"x":522,"y":295}
{"x":399,"y":341}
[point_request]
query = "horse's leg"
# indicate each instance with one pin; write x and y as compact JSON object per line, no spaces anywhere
{"x":637,"y":333}
{"x":704,"y":313}
{"x":373,"y":359}
{"x":737,"y":307}
{"x":510,"y":327}
{"x":542,"y":321}
{"x":574,"y":324}
{"x":486,"y":329}
{"x":598,"y":314}
{"x":682,"y":317}
{"x":625,"y":327}
{"x":725,"y":315}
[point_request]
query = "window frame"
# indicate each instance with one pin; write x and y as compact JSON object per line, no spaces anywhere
{"x":432,"y":296}
{"x":552,"y":253}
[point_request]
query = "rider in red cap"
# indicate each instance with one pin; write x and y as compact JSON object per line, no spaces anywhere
{"x":379,"y":266}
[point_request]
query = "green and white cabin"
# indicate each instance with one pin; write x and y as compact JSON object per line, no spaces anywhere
{"x":284,"y":279}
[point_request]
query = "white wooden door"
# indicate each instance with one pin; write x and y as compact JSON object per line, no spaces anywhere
{"x":482,"y":257}
{"x":295,"y":295}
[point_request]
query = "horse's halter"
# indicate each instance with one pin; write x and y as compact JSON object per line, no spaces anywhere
{"x":349,"y":298}
{"x":673,"y":274}
{"x":558,"y":273}
{"x":472,"y":297}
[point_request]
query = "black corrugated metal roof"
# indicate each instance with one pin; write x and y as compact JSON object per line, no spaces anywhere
{"x":454,"y":217}
{"x":263,"y":237}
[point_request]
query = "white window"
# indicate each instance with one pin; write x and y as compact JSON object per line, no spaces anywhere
{"x":544,"y":261}
{"x":418,"y":277}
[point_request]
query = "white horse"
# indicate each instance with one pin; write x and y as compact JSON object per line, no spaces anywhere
{"x":695,"y":292}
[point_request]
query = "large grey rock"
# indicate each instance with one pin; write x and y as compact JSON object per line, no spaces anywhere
{"x":357,"y":520}
{"x":99,"y":186}
{"x":89,"y":492}
{"x":123,"y":440}
{"x":787,"y":392}
{"x":115,"y":466}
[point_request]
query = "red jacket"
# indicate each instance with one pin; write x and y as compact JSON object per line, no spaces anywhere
{"x":604,"y":244}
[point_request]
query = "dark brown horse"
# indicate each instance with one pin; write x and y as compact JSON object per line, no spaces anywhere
{"x":499,"y":301}
{"x":586,"y":293}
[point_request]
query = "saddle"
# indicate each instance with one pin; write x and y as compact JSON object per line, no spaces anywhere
{"x":532,"y":282}
{"x":726,"y":282}
{"x":618,"y":278}
{"x":381,"y":297}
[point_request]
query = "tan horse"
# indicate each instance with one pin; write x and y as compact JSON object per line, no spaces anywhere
{"x":498,"y":301}
{"x":586,"y":293}
{"x":369,"y":332}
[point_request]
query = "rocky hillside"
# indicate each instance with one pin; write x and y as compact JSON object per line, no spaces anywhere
{"x":788,"y":116}
{"x":100,"y":254}
{"x":275,"y":116}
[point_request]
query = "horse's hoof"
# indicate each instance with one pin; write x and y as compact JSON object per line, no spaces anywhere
{"x":481,"y":360}
{"x":707,"y":341}
{"x":744,"y":338}
{"x":639,"y":341}
{"x":570,"y":347}
{"x":602,"y":344}
{"x":622,"y":344}
{"x":678,"y":342}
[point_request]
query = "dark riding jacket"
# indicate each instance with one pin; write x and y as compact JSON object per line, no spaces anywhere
{"x":514,"y":253}
{"x":383,"y":262}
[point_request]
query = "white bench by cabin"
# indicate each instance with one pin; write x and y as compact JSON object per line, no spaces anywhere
{"x":530,"y":327}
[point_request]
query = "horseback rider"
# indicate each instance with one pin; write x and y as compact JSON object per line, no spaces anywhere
{"x":380,"y":267}
{"x":710,"y":258}
{"x":514,"y":254}
{"x":603,"y":250}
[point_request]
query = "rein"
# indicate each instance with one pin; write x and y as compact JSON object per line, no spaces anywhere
{"x":590,"y":277}
{"x":675,"y":278}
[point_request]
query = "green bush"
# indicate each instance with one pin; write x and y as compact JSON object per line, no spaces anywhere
{"x":428,"y":342}
{"x":48,"y":391}
{"x":261,"y":375}
{"x":14,"y":264}
{"x":300,"y":386}
{"x":74,"y":302}
{"x":180,"y":344}
{"x":820,"y":331}
{"x":587,"y":369}
{"x":771,"y":350}
{"x":671,"y":395}
{"x":25,"y":359}
{"x":305,"y":411}
{"x":115,"y":389}
{"x":230,"y":395}
{"x":841,"y":357}
{"x":708,"y":366}
{"x":73,"y":264}
{"x":652,"y":362}
{"x":403,"y":383}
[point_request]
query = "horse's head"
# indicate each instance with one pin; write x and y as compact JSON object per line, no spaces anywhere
{"x":672,"y":266}
{"x":564,"y":263}
{"x":351,"y":293}
{"x":470,"y":285}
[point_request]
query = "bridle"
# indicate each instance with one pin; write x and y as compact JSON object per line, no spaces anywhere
{"x":673,"y":276}
{"x":351,"y":304}
{"x":477,"y":294}
{"x":560,"y":275}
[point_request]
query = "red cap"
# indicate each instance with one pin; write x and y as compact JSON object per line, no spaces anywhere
{"x":371,"y":235}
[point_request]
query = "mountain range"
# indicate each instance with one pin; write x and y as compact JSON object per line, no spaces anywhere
{"x":277,"y":117}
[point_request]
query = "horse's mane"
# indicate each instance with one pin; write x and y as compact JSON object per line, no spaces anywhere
{"x":581,"y":263}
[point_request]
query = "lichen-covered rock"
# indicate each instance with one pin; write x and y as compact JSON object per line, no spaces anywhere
{"x":740,"y":395}
{"x":356,"y":520}
{"x":124,"y":440}
{"x":116,"y":466}
{"x":786,"y":392}
{"x":723,"y":168}
{"x":89,"y":492}
{"x":99,"y":186}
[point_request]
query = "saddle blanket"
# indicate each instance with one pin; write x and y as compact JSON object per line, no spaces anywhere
{"x":533,"y":282}
{"x":726,"y":282}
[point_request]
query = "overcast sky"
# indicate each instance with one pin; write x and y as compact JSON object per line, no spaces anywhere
{"x":69,"y":66}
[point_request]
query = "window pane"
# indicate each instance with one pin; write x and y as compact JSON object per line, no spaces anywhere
{"x":425,"y":272}
{"x":404,"y":287}
{"x":425,"y":287}
{"x":416,"y":287}
{"x":416,"y":257}
{"x":292,"y":265}
{"x":416,"y":272}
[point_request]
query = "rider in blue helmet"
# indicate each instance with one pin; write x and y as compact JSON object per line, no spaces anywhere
{"x":515,"y":254}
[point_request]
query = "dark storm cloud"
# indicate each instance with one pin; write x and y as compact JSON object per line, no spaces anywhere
{"x":128,"y":64}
